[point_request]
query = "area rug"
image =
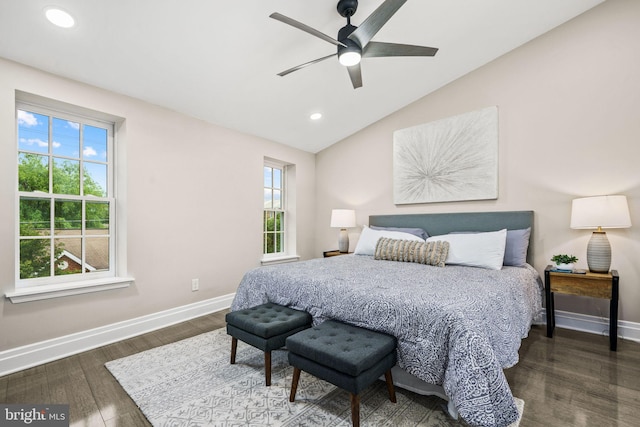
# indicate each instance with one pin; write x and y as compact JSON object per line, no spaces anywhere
{"x":192,"y":383}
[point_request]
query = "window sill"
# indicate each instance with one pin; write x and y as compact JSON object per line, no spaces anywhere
{"x":280,"y":260}
{"x":36,"y":293}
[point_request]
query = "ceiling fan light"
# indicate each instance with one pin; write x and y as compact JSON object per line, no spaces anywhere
{"x":349,"y":58}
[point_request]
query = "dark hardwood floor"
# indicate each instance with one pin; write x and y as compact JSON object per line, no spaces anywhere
{"x":574,"y":379}
{"x":570,"y":380}
{"x":95,"y":398}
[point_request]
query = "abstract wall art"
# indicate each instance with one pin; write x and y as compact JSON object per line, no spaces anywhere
{"x":452,"y":159}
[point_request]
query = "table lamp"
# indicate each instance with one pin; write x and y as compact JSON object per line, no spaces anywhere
{"x":597,"y":213}
{"x":343,"y":219}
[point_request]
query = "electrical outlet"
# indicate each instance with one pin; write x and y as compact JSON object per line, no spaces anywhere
{"x":195,"y":284}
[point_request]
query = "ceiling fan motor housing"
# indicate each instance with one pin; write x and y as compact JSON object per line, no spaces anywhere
{"x":350,"y":45}
{"x":345,"y":32}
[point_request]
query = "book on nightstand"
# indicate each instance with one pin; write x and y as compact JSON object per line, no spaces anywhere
{"x":574,"y":271}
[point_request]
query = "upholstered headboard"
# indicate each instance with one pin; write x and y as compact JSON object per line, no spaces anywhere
{"x":443,"y":223}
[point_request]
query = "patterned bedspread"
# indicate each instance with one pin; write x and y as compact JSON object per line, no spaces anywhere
{"x":458,"y":327}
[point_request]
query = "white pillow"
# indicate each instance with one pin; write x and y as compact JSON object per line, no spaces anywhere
{"x":369,"y":238}
{"x":484,"y":250}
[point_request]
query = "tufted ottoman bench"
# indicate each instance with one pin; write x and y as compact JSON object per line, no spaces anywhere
{"x":265,"y":327}
{"x":348,"y":357}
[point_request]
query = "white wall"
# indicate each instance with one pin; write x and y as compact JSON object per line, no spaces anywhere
{"x":569,"y":123}
{"x":194,"y":209}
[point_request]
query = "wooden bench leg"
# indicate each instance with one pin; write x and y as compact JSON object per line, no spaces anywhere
{"x":267,"y":368}
{"x":355,"y":410}
{"x":294,"y":384}
{"x":234,"y":347}
{"x":390,"y":388}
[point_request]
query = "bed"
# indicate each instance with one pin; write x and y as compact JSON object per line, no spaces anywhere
{"x":458,"y":326}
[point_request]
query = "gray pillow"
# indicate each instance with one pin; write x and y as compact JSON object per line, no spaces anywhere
{"x":515,"y":252}
{"x":419,"y":232}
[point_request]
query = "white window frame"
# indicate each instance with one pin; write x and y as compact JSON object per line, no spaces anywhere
{"x":56,"y":286}
{"x":288,"y":209}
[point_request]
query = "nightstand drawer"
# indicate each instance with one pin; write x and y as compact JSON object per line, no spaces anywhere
{"x":564,"y":283}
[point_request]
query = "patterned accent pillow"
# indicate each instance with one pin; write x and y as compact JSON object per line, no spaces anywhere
{"x":430,"y":253}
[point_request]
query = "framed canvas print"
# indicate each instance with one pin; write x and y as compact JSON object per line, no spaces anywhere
{"x":453,"y":159}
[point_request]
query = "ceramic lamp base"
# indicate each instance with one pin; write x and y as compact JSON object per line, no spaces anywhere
{"x":599,"y":253}
{"x":343,"y":241}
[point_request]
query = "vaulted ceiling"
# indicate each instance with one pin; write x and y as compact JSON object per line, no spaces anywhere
{"x":218,"y":60}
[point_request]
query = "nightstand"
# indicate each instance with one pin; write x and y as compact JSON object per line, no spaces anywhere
{"x":595,"y":285}
{"x":327,"y":254}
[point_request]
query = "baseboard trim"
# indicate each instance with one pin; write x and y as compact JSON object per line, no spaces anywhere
{"x":596,"y":325}
{"x":31,"y":355}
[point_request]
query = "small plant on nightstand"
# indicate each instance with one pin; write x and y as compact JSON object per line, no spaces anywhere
{"x":564,"y":261}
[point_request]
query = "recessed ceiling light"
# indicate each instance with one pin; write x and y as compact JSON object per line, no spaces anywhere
{"x":59,"y":17}
{"x":315,"y":116}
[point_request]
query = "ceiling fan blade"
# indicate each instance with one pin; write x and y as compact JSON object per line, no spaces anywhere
{"x":296,"y":68}
{"x":377,"y":49}
{"x":355,"y":74}
{"x":304,"y":27}
{"x":365,"y":32}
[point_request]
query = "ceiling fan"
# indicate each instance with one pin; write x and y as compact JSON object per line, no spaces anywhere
{"x":354,"y":42}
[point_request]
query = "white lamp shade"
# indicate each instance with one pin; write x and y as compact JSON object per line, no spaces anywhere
{"x":600,"y":211}
{"x":343,"y":218}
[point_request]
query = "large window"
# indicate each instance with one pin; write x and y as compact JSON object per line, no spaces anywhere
{"x":66,"y":200}
{"x":274,"y":210}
